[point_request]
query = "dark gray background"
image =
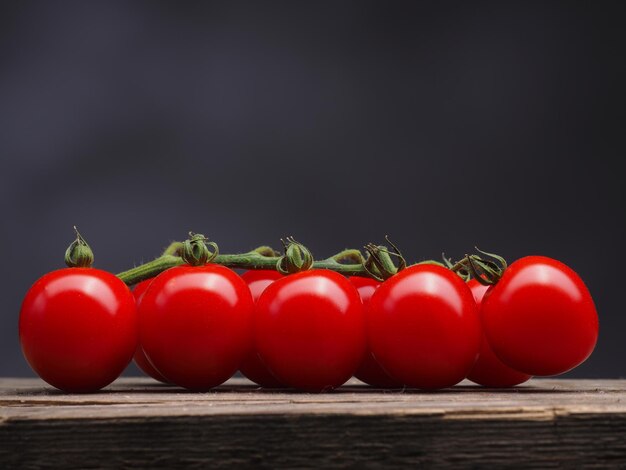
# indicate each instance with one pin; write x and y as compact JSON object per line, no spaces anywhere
{"x":444,"y":125}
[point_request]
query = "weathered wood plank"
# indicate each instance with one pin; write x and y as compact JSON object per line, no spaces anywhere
{"x":136,"y":397}
{"x":139,"y":423}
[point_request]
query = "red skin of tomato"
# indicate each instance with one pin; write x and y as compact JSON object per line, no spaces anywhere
{"x":489,"y":371}
{"x":310,"y":330}
{"x":370,"y":370}
{"x":140,"y":357}
{"x":195,"y":324}
{"x":78,"y":328}
{"x":424,"y":328}
{"x":540,"y":318}
{"x":253,"y":367}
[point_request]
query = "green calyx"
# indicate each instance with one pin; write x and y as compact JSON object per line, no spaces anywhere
{"x":379,"y":263}
{"x":486,"y":271}
{"x":461,"y":270}
{"x":195,"y":250}
{"x":79,"y":253}
{"x":297,"y":257}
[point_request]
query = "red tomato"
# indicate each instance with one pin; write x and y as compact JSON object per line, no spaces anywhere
{"x":489,"y":370}
{"x":539,"y":318}
{"x":253,"y":367}
{"x":140,"y":357}
{"x":424,"y":327}
{"x":310,"y":329}
{"x":195,"y":324}
{"x":370,"y":370}
{"x":78,"y":328}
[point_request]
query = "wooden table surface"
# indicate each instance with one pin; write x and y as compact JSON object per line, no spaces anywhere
{"x":137,"y":422}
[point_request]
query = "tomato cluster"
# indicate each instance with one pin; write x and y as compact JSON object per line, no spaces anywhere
{"x":195,"y":326}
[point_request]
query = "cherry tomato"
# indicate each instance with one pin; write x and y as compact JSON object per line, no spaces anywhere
{"x":489,"y":370}
{"x":78,"y":328}
{"x":540,"y":318}
{"x":370,"y":370}
{"x":310,"y":329}
{"x":140,"y":357}
{"x":424,"y":328}
{"x":195,"y":324}
{"x":253,"y":367}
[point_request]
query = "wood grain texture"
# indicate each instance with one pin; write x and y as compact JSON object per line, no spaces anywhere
{"x":139,"y":423}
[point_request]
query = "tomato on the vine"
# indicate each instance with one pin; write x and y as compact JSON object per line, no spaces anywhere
{"x":253,"y":367}
{"x":78,"y":328}
{"x":423,"y":327}
{"x":310,"y":329}
{"x":140,"y":357}
{"x":489,"y":371}
{"x":369,"y":370}
{"x":195,"y":324}
{"x":539,"y":317}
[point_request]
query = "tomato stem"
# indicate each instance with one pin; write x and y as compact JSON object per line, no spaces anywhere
{"x":250,"y":260}
{"x":348,"y":256}
{"x":174,"y":249}
{"x":150,"y":269}
{"x":349,"y":262}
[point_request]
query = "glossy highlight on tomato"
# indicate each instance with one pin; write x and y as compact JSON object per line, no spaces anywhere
{"x":540,"y":318}
{"x":195,"y":324}
{"x":310,"y":329}
{"x":78,"y":328}
{"x":423,"y":327}
{"x":370,"y":371}
{"x":490,"y":371}
{"x":253,"y":367}
{"x":140,"y":358}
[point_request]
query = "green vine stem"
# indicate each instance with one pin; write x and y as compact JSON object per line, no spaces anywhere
{"x":174,"y":249}
{"x":150,"y":269}
{"x":347,"y":262}
{"x":250,"y":260}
